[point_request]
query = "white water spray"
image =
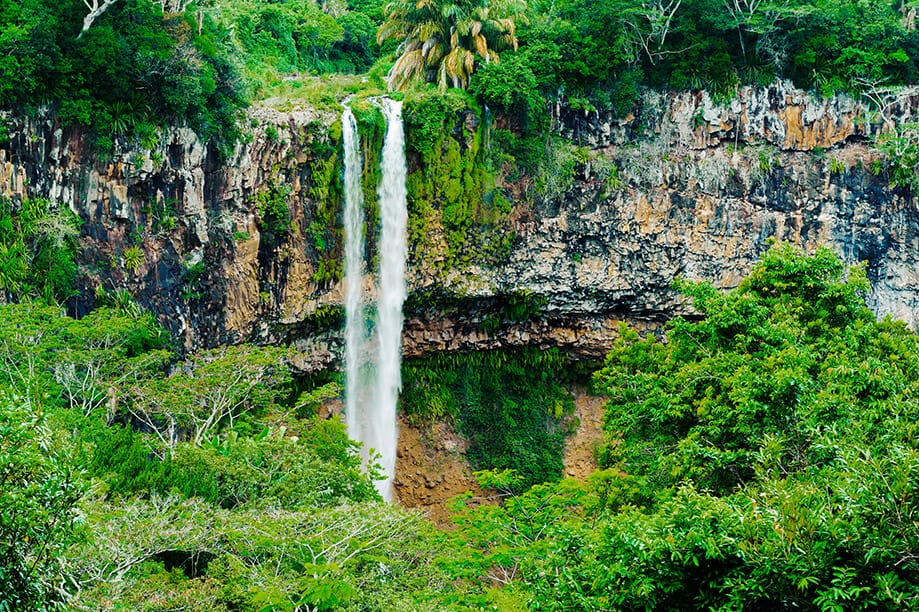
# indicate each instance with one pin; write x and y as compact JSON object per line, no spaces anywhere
{"x":371,"y":409}
{"x":393,"y":252}
{"x":355,"y":330}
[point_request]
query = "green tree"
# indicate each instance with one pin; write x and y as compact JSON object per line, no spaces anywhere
{"x":698,"y":406}
{"x":213,"y":389}
{"x":38,"y":496}
{"x":762,"y":456}
{"x":442,"y":40}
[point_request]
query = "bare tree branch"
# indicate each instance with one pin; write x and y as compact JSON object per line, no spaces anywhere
{"x":95,"y":10}
{"x":650,"y":25}
{"x":174,"y":6}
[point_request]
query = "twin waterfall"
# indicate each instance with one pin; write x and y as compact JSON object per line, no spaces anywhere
{"x":373,"y":364}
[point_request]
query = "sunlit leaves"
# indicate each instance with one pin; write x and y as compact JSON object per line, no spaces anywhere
{"x":38,"y":495}
{"x":441,"y":41}
{"x":777,"y":437}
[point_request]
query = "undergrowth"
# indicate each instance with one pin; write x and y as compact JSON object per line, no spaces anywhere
{"x":509,"y":404}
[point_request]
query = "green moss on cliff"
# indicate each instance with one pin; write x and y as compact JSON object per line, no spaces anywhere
{"x":371,"y":126}
{"x":325,"y":194}
{"x":456,"y":214}
{"x":508,"y":404}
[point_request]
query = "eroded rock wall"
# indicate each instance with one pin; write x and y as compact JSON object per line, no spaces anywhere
{"x":208,"y":269}
{"x":683,"y":186}
{"x":779,"y":115}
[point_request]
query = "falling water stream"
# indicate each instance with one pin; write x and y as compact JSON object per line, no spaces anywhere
{"x":393,"y":252}
{"x":372,"y":405}
{"x":355,"y":330}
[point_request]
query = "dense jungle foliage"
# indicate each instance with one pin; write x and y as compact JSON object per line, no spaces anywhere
{"x":507,"y":404}
{"x":760,"y":456}
{"x":763,"y":456}
{"x":146,"y":63}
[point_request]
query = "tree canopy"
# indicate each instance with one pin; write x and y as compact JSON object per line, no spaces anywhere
{"x":442,"y":41}
{"x":763,"y":456}
{"x":143,"y":62}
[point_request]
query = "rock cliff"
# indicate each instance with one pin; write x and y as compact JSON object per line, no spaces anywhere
{"x":682,"y":186}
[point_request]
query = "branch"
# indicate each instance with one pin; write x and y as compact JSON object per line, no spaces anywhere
{"x":95,"y":10}
{"x":173,"y":6}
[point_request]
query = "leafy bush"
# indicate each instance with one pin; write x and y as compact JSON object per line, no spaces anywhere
{"x":133,"y":258}
{"x":39,"y":491}
{"x":761,"y":363}
{"x":274,"y":211}
{"x":38,"y":247}
{"x":510,"y":88}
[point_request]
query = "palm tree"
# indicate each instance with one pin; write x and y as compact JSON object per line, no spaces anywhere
{"x":443,"y":39}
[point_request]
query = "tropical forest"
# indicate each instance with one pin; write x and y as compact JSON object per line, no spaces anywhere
{"x":421,"y":305}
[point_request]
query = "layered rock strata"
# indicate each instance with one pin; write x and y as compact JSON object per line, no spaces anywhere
{"x":683,"y":186}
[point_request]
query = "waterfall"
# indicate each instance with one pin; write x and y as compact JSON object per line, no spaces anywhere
{"x":355,"y":331}
{"x":393,"y":252}
{"x":371,"y":407}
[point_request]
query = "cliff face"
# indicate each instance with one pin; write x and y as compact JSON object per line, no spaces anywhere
{"x":211,"y":268}
{"x":681,"y":187}
{"x":704,"y":187}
